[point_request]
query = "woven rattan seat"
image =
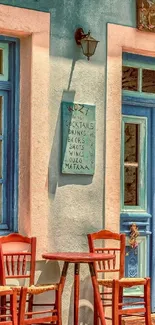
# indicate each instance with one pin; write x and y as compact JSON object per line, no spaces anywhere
{"x":5,"y":288}
{"x":124,"y":281}
{"x":37,"y":289}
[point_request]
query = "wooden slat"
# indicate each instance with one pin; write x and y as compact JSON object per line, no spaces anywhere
{"x":5,"y":315}
{"x":108,"y":262}
{"x":18,"y":276}
{"x":17,"y":253}
{"x":18,"y":265}
{"x":106,"y":249}
{"x":129,"y":164}
{"x":108,"y":271}
{"x":41,"y":320}
{"x":41,"y":312}
{"x":24,"y":264}
{"x":7,"y":265}
{"x":131,"y":311}
{"x":12,"y":265}
{"x":114,"y":260}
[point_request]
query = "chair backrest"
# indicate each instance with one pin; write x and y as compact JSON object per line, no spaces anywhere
{"x":115,"y":265}
{"x":17,"y":258}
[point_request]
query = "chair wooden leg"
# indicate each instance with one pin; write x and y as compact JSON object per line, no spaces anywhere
{"x":3,"y":306}
{"x":115,"y":302}
{"x":22,"y":304}
{"x":30,"y":303}
{"x":13,"y":307}
{"x":97,"y":294}
{"x":147,"y":302}
{"x":120,"y":301}
{"x":96,"y":319}
{"x":59,"y":305}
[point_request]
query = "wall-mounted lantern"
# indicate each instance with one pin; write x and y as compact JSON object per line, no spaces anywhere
{"x":87,"y":42}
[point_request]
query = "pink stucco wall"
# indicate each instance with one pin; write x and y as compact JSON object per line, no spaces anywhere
{"x":120,"y":39}
{"x":32,"y":28}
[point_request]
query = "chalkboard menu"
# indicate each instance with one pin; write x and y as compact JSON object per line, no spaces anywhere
{"x":78,"y":138}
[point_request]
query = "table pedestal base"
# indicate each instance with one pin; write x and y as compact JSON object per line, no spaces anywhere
{"x":97,"y":297}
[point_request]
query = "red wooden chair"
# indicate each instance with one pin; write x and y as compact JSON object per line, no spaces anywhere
{"x":40,"y":316}
{"x":17,"y":262}
{"x":17,"y":258}
{"x":8,"y":316}
{"x":114,"y":297}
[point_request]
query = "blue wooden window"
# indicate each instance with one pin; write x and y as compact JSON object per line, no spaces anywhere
{"x":138,"y":76}
{"x":9,"y":102}
{"x":133,"y":163}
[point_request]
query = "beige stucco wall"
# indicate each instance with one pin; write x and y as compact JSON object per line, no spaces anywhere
{"x":76,"y":202}
{"x":59,"y":210}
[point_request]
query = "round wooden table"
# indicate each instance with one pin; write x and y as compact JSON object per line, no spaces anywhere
{"x":77,"y":258}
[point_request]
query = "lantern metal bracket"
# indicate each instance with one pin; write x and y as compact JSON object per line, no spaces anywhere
{"x":79,"y":34}
{"x":86,"y":41}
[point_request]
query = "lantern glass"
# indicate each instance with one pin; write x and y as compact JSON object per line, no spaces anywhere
{"x":88,"y":45}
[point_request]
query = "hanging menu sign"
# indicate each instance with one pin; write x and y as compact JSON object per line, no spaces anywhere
{"x":78,"y":138}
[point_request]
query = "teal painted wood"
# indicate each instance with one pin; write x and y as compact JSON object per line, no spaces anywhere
{"x":136,"y":264}
{"x":5,"y":48}
{"x":138,"y":107}
{"x":139,"y":95}
{"x":15,"y":103}
{"x":78,"y":138}
{"x":10,"y":92}
{"x":141,"y":62}
{"x":138,"y":60}
{"x":142,"y":183}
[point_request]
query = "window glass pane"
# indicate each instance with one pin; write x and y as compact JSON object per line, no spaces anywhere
{"x":148,"y":81}
{"x":131,"y":142}
{"x":129,"y":78}
{"x":130,"y":186}
{"x":1,"y":61}
{"x":131,"y":163}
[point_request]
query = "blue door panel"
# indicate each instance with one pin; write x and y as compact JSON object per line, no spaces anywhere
{"x":145,"y":220}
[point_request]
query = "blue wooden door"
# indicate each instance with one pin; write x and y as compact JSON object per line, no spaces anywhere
{"x":138,"y":187}
{"x":138,"y":164}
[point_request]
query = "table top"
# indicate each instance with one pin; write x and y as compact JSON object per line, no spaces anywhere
{"x":78,"y":257}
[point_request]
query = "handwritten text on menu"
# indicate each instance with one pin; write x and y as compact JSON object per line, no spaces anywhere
{"x":78,"y":138}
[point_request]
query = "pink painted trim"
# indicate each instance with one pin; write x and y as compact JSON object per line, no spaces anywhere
{"x":19,"y":22}
{"x":120,"y":38}
{"x":33,"y":29}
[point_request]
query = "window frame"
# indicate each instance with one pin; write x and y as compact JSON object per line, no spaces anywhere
{"x":142,"y":178}
{"x":10,"y":89}
{"x":141,"y":63}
